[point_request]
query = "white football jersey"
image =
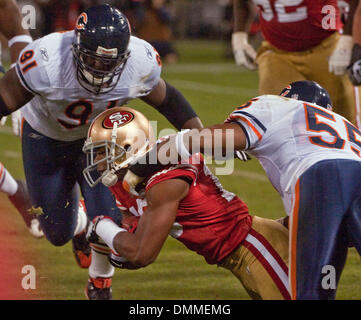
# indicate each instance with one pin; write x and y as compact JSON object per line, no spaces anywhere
{"x":61,"y":108}
{"x":288,"y":136}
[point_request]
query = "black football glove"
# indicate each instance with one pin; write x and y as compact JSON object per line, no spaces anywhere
{"x":354,"y":69}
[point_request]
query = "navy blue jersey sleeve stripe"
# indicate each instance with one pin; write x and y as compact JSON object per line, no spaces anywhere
{"x":23,"y":81}
{"x":259,"y":123}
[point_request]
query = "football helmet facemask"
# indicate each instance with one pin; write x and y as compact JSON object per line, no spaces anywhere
{"x":100,"y":47}
{"x":309,"y":91}
{"x":115,"y":138}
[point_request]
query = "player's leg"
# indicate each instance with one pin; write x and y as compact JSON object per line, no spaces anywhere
{"x":98,"y":200}
{"x":261,"y":262}
{"x":52,"y":185}
{"x":275,"y":70}
{"x":18,"y":195}
{"x":318,"y":239}
{"x":348,"y":101}
{"x":353,"y":221}
{"x":101,"y":271}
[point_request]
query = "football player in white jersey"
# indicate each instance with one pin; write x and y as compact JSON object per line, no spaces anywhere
{"x":18,"y":38}
{"x":312,"y":156}
{"x":67,"y":79}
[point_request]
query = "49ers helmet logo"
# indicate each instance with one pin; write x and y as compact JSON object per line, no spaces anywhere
{"x":82,"y":21}
{"x":120,"y":117}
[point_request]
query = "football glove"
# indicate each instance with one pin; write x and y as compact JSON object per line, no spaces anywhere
{"x":341,"y":56}
{"x":241,"y":155}
{"x":244,"y":53}
{"x":354,"y":69}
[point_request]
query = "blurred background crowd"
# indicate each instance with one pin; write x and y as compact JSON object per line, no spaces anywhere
{"x":159,"y":22}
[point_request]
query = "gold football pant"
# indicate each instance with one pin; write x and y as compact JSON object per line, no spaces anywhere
{"x":279,"y":68}
{"x":261,"y":261}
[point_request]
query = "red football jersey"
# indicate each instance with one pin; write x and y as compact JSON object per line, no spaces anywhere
{"x":297,"y":25}
{"x":211,"y":220}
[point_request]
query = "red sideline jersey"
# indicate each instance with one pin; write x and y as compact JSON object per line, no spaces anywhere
{"x":211,"y":220}
{"x":298,"y":25}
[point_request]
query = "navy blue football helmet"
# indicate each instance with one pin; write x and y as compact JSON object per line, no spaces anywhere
{"x":309,"y":91}
{"x":100,"y":47}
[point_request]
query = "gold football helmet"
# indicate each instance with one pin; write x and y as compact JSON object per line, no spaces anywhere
{"x":115,"y":138}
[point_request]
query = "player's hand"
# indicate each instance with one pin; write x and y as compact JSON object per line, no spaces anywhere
{"x":341,"y":56}
{"x":16,"y":122}
{"x":3,"y":120}
{"x":244,"y":53}
{"x":354,"y":69}
{"x":121,"y":263}
{"x":130,"y":182}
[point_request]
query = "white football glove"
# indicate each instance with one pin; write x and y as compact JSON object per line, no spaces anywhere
{"x":3,"y":121}
{"x":244,"y":53}
{"x":16,"y":122}
{"x":341,"y":56}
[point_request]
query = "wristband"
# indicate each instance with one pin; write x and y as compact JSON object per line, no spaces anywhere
{"x":179,"y":144}
{"x":20,"y":38}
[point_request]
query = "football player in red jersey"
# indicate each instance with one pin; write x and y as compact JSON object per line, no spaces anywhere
{"x":303,"y":41}
{"x":186,"y":201}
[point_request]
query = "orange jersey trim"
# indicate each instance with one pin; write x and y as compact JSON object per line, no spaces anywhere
{"x":293,"y":244}
{"x":236,"y":116}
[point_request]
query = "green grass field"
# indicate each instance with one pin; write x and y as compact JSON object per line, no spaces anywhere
{"x":214,"y":86}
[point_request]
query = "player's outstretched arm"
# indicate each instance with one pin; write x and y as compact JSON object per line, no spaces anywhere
{"x":173,"y":105}
{"x":225,"y":138}
{"x":12,"y":93}
{"x":142,"y":247}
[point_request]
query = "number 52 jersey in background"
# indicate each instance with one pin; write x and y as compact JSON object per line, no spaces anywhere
{"x":61,"y":108}
{"x":288,"y":136}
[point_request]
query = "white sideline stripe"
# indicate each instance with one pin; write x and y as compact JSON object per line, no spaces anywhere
{"x":12,"y":154}
{"x":250,"y":175}
{"x":203,"y":68}
{"x":270,"y":259}
{"x":213,"y":88}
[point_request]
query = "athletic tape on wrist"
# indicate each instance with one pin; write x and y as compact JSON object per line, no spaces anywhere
{"x":20,"y":38}
{"x":107,"y":229}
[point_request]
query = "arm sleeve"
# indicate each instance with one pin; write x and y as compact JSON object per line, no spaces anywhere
{"x":186,"y":172}
{"x":253,"y":117}
{"x":31,"y":69}
{"x":153,"y":77}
